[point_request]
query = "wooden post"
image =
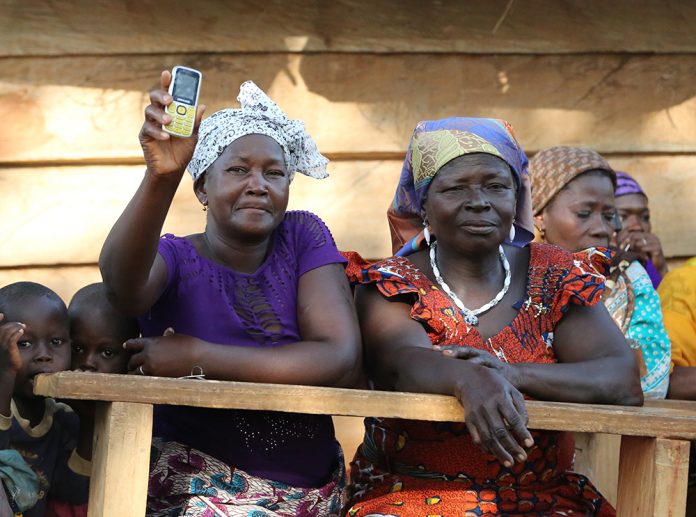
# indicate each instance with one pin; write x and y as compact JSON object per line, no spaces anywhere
{"x":597,"y":457}
{"x":121,"y":457}
{"x":653,"y":477}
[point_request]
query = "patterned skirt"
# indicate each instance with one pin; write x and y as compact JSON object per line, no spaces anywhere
{"x":432,"y":484}
{"x":190,"y":483}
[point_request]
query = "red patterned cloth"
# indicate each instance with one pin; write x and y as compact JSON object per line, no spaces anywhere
{"x":408,"y":468}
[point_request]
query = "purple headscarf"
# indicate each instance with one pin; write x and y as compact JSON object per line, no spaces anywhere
{"x":626,"y":184}
{"x":436,"y":142}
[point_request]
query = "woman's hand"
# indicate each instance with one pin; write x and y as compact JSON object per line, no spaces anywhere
{"x":170,"y":355}
{"x":164,"y":153}
{"x":495,"y":414}
{"x":483,"y":358}
{"x":648,"y":246}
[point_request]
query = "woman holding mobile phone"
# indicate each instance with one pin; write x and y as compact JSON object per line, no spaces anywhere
{"x":260,"y":295}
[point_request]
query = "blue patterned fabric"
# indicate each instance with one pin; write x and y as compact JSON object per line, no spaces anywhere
{"x":647,"y":328}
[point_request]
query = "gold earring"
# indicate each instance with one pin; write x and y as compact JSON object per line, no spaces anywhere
{"x":205,"y":206}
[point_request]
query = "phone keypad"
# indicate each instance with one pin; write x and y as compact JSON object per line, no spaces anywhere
{"x":182,"y":119}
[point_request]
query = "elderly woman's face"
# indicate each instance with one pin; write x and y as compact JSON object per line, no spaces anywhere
{"x":471,"y":202}
{"x":247,"y":187}
{"x":581,"y":215}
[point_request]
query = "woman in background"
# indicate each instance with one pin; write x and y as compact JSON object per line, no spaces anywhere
{"x":574,"y":208}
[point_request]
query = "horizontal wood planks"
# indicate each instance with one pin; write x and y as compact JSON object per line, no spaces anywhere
{"x":30,"y":27}
{"x":64,"y":280}
{"x":90,"y":108}
{"x":61,"y":215}
{"x":616,"y":76}
{"x":638,"y":421}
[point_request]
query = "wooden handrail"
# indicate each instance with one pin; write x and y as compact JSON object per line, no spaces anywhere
{"x":654,"y":456}
{"x":555,"y":416}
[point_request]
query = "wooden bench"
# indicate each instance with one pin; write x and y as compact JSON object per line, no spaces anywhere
{"x":597,"y":454}
{"x":654,"y":440}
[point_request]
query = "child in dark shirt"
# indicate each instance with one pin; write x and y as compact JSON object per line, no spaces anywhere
{"x":34,"y":339}
{"x":98,"y":332}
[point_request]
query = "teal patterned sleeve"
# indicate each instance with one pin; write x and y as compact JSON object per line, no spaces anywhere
{"x":647,"y":328}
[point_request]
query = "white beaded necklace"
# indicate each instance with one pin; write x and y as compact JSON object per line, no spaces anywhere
{"x":471,"y":316}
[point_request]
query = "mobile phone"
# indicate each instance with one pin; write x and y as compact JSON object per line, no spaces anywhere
{"x":184,"y":89}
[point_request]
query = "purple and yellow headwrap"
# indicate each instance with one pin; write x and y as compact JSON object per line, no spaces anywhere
{"x":435,"y":143}
{"x":626,"y":184}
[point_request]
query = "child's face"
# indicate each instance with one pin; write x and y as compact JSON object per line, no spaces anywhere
{"x":97,"y":343}
{"x":45,"y":345}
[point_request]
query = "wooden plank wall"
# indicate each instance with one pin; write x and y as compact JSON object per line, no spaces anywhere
{"x":617,"y":76}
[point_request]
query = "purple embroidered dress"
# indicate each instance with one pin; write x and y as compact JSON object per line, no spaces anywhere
{"x":209,"y":301}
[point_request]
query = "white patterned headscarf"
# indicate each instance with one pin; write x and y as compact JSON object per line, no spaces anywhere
{"x":258,"y":115}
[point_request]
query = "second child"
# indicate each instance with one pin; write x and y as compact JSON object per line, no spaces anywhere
{"x":98,"y":332}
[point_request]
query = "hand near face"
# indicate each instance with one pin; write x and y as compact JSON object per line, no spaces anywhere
{"x":10,"y":334}
{"x":165,"y":154}
{"x":169,"y":355}
{"x":495,"y":414}
{"x":647,"y":245}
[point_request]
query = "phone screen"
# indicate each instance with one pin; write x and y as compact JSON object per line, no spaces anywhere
{"x":185,"y":87}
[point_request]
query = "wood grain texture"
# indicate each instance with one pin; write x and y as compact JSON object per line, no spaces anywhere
{"x":61,"y":215}
{"x":64,"y":280}
{"x":90,"y":108}
{"x":30,"y":27}
{"x":638,"y":421}
{"x":652,"y":477}
{"x":597,"y":457}
{"x":122,"y":438}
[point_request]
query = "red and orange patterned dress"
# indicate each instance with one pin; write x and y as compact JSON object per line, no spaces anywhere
{"x":417,"y":468}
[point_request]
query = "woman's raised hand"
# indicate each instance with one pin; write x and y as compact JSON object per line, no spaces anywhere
{"x":495,"y":415}
{"x":164,"y":153}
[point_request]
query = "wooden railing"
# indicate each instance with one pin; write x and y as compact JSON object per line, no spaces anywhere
{"x":654,"y":445}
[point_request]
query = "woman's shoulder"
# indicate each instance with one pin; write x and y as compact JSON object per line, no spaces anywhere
{"x":307,"y":225}
{"x":637,"y":274}
{"x":173,"y":247}
{"x":559,"y":278}
{"x":176,"y":240}
{"x":543,"y":255}
{"x":393,"y":270}
{"x":302,"y":218}
{"x":679,"y":283}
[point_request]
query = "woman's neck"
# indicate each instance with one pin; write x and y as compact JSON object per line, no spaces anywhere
{"x":482,"y":266}
{"x":239,"y":255}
